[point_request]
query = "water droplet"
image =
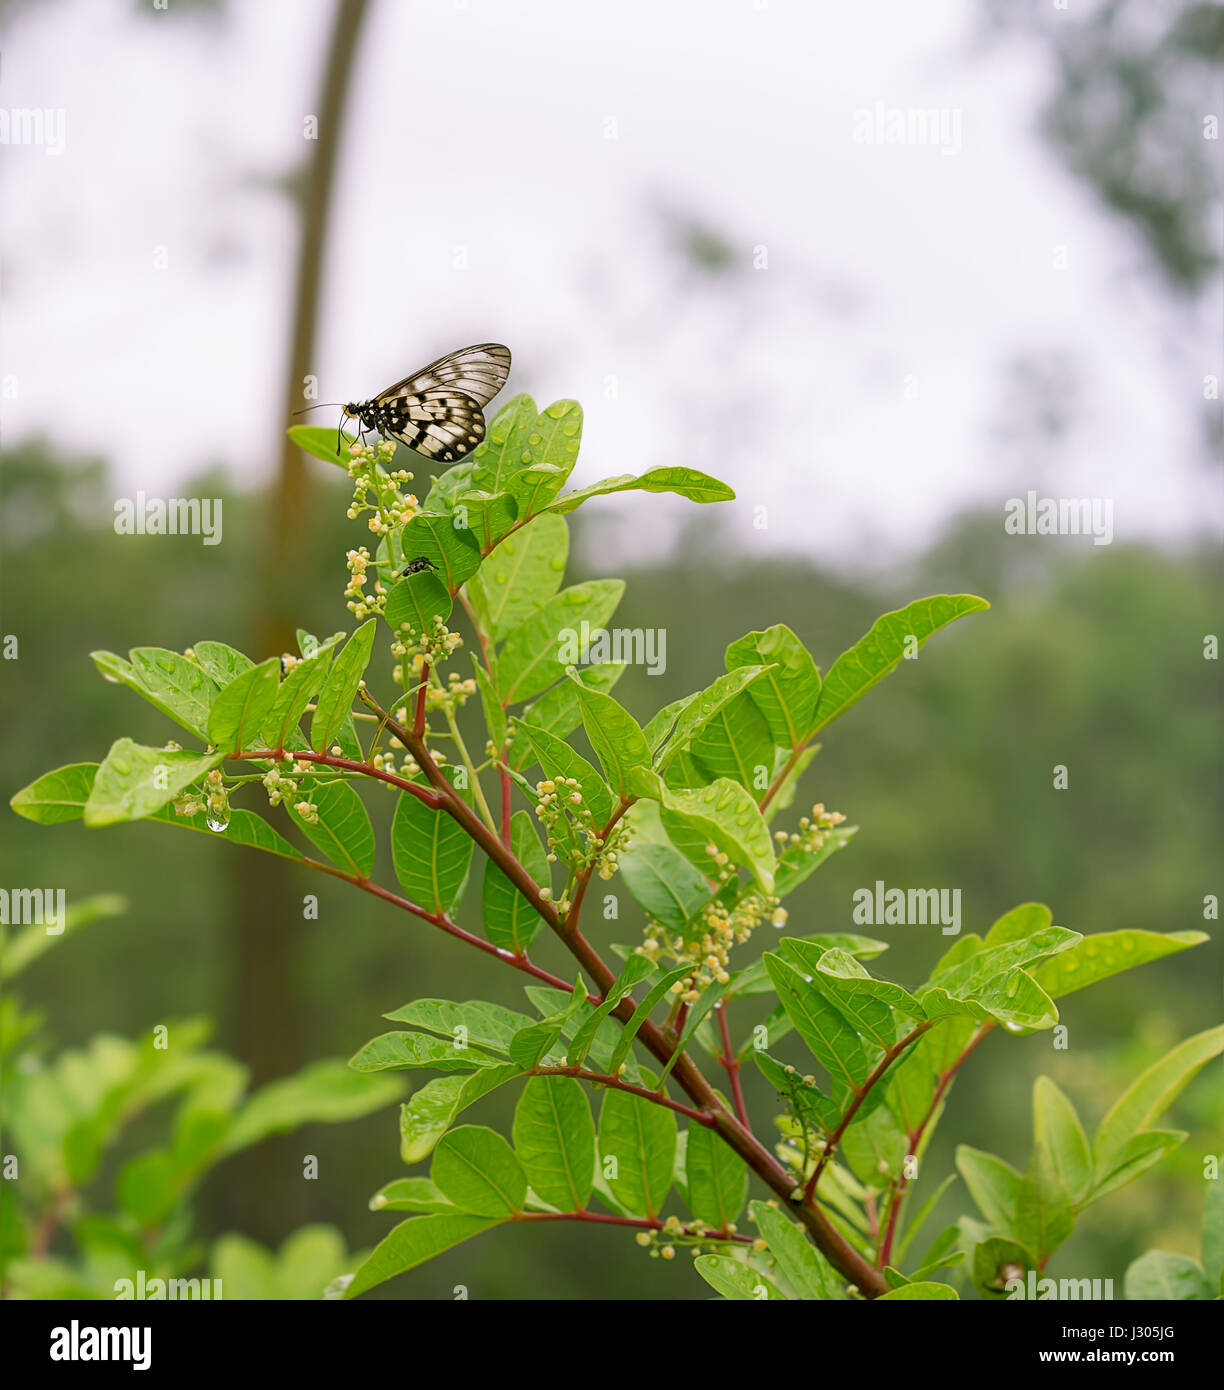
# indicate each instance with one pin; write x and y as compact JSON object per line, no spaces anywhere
{"x":526,"y":455}
{"x":569,"y":429}
{"x":217,"y":821}
{"x":534,"y":439}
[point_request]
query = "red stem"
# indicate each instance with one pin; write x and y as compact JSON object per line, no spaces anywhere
{"x":915,"y":1139}
{"x":731,"y":1065}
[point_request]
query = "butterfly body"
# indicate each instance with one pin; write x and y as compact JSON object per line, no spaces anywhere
{"x":438,"y":410}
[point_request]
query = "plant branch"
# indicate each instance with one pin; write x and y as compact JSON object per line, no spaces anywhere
{"x":443,"y":922}
{"x":617,"y":1084}
{"x":730,"y":1065}
{"x":277,"y":755}
{"x":688,"y":1076}
{"x":641,"y":1223}
{"x":890,"y":1056}
{"x":945,"y":1080}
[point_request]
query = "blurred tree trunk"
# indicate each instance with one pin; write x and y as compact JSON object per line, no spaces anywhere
{"x":269,"y":1026}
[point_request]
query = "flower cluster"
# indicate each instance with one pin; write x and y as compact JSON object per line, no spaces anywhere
{"x":358,"y":602}
{"x":376,"y":490}
{"x":722,"y":925}
{"x":813,"y":830}
{"x":662,"y":1243}
{"x":421,"y":649}
{"x":570,"y":826}
{"x":212,"y":798}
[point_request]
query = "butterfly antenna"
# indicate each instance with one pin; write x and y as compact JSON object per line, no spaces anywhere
{"x":320,"y":406}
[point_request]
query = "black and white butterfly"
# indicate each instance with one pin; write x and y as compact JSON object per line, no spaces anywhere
{"x":437,"y":411}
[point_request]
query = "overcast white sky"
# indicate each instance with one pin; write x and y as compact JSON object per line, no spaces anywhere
{"x":484,"y":127}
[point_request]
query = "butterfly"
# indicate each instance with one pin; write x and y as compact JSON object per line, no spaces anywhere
{"x":437,"y":411}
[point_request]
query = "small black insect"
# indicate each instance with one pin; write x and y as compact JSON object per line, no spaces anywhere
{"x":437,"y":411}
{"x":422,"y":562}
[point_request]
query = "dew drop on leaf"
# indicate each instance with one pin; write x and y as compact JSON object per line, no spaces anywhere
{"x":217,"y":821}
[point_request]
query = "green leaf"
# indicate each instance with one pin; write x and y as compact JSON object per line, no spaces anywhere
{"x":324,"y":1092}
{"x":1159,"y":1275}
{"x":134,"y":781}
{"x":643,"y":1011}
{"x":636,"y":969}
{"x":554,"y":1138}
{"x":414,"y":603}
{"x":499,"y":456}
{"x":487,"y":1026}
{"x":664,"y":884}
{"x":698,"y":710}
{"x":431,"y":1111}
{"x":1058,"y":1132}
{"x":736,"y":1280}
{"x":919,"y":1219}
{"x":558,"y":711}
{"x":993,"y":1184}
{"x":180,"y":686}
{"x":875,"y":1145}
{"x":22,"y":949}
{"x":1147,"y":1098}
{"x":558,"y":760}
{"x":754,"y":979}
{"x":522,"y":573}
{"x":336,"y":697}
{"x":641,"y":1137}
{"x":615,"y":736}
{"x":302,"y":683}
{"x":803,"y":1266}
{"x":1140,"y":1152}
{"x":454,"y":550}
{"x":413,"y":1242}
{"x":1044,"y":1218}
{"x":787,"y":694}
{"x":735,"y":743}
{"x":716,"y":1179}
{"x":1097,"y":957}
{"x":56,"y":796}
{"x":147,"y":1188}
{"x":796,"y":864}
{"x":223,"y":663}
{"x":1019,"y":924}
{"x":476,"y":1169}
{"x":407,"y":1051}
{"x":989,"y":1258}
{"x":488,"y":515}
{"x":531,"y":657}
{"x":510,"y":921}
{"x":244,"y":828}
{"x":868,"y":1003}
{"x":410,"y":1194}
{"x":924,"y":1291}
{"x":240,"y":709}
{"x":883,"y":648}
{"x":343,"y":830}
{"x":688,"y":482}
{"x":660,"y":725}
{"x":431,"y":853}
{"x":828,"y":1036}
{"x":723,"y":814}
{"x":966,"y":977}
{"x":530,"y":1045}
{"x":319,"y":441}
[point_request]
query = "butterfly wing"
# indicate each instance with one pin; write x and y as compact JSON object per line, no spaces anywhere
{"x":440,"y":423}
{"x":479,"y":372}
